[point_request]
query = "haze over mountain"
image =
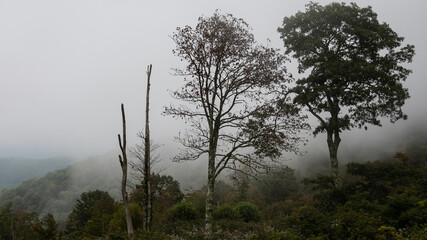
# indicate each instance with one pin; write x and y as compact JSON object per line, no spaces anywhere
{"x":57,"y":191}
{"x":13,"y":170}
{"x":65,"y":67}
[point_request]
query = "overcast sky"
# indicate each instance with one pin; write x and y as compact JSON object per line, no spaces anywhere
{"x":65,"y":66}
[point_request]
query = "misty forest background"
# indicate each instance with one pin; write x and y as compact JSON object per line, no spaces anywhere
{"x":378,"y":192}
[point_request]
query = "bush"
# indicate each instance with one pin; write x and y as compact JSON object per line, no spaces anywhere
{"x":198,"y":199}
{"x":385,"y":233}
{"x":117,"y":224}
{"x":184,"y":211}
{"x":247,"y":211}
{"x":274,"y":236}
{"x":150,"y":235}
{"x":350,"y":223}
{"x":279,"y":210}
{"x":224,"y":212}
{"x":308,"y":222}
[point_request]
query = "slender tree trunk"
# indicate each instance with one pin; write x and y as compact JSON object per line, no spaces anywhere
{"x":124,"y":164}
{"x":210,"y":197}
{"x":213,"y":144}
{"x":333,"y":144}
{"x":147,"y":158}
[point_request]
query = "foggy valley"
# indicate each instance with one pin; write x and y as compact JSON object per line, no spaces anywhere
{"x":273,"y":120}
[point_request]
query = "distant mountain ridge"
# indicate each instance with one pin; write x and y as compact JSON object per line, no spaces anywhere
{"x":14,"y":170}
{"x":57,"y":191}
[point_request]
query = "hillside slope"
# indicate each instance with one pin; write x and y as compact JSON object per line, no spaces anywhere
{"x":13,"y":171}
{"x":57,"y":191}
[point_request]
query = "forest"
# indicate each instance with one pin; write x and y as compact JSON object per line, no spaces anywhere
{"x":244,"y":112}
{"x":378,"y":200}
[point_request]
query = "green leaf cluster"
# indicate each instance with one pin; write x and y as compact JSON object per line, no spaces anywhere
{"x":355,"y":64}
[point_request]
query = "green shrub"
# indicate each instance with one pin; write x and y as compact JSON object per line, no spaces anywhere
{"x":279,"y":210}
{"x":184,"y":211}
{"x":151,"y":235}
{"x":198,"y":199}
{"x":385,"y":233}
{"x":224,"y":212}
{"x":350,"y":223}
{"x":117,"y":223}
{"x":247,"y":211}
{"x":308,"y":222}
{"x":274,"y":236}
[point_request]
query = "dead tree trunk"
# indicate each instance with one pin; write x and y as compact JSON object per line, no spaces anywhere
{"x":124,"y":164}
{"x":147,"y":162}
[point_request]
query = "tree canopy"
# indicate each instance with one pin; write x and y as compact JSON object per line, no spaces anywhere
{"x":96,"y":206}
{"x":232,"y":93}
{"x":231,"y":90}
{"x":355,"y":66}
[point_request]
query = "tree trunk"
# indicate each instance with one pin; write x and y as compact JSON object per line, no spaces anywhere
{"x":210,"y":197}
{"x":333,"y":144}
{"x":213,"y":143}
{"x":147,"y":158}
{"x":124,"y":164}
{"x":127,"y":210}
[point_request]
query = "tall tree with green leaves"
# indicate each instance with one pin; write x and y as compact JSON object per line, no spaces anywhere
{"x":232,"y":99}
{"x":90,"y":214}
{"x":354,"y":66}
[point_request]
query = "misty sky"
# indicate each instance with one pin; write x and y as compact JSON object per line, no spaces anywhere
{"x":65,"y":67}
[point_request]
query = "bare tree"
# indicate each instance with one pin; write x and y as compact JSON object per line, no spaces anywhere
{"x":137,"y":153}
{"x":147,"y":156}
{"x":124,"y":164}
{"x":233,"y":95}
{"x":138,"y":167}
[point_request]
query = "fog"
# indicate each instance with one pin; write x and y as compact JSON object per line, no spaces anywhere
{"x":65,"y":67}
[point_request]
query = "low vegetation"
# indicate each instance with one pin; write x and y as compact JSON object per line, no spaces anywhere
{"x":378,"y":200}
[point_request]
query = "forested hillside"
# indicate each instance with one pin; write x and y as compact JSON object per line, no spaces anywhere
{"x":57,"y":191}
{"x":378,"y":200}
{"x":14,"y":171}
